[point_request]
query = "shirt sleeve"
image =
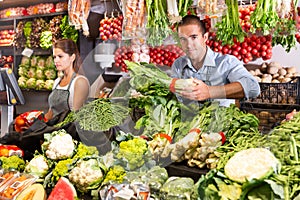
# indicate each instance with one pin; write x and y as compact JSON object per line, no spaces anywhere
{"x":240,"y":74}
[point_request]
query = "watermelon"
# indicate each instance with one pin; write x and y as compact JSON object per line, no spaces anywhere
{"x":63,"y":190}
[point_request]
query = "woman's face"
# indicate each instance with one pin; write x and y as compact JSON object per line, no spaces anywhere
{"x":62,"y":60}
{"x":192,"y":41}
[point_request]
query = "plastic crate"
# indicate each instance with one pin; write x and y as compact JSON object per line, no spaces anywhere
{"x":269,"y":115}
{"x":279,"y":93}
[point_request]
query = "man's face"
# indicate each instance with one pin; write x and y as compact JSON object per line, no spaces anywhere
{"x":193,"y":42}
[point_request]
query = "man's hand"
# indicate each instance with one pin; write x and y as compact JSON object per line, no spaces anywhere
{"x":199,"y":92}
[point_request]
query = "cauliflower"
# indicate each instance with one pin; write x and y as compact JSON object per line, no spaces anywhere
{"x":22,"y":82}
{"x":31,"y":83}
{"x":49,"y":62}
{"x":37,"y":166}
{"x":87,"y":174}
{"x":22,"y":71}
{"x":59,"y":145}
{"x":40,"y":84}
{"x":31,"y":73}
{"x":39,"y":74}
{"x":50,"y":73}
{"x":49,"y":84}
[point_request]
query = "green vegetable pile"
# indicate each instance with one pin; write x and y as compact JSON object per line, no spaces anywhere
{"x":101,"y":115}
{"x":282,"y":141}
{"x":67,"y":30}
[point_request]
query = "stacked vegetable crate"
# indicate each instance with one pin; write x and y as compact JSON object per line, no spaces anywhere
{"x":275,"y":101}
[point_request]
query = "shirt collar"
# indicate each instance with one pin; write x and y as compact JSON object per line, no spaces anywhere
{"x":208,"y":60}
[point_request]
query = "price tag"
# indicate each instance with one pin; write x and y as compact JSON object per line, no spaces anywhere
{"x":27,"y":52}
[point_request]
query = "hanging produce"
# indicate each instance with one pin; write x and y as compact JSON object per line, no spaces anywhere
{"x":134,"y":19}
{"x":285,"y":32}
{"x":173,"y":13}
{"x":229,"y":29}
{"x":264,"y":19}
{"x":158,"y":26}
{"x":111,"y":28}
{"x":207,"y":8}
{"x":78,"y":12}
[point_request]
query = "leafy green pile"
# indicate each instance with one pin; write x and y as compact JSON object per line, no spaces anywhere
{"x":283,"y":143}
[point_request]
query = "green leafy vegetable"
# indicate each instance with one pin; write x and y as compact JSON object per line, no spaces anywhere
{"x":264,"y":18}
{"x":46,"y":39}
{"x":230,"y":28}
{"x":68,"y":31}
{"x":101,"y":115}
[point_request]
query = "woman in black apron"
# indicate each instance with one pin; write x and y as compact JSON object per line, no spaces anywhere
{"x":71,"y":90}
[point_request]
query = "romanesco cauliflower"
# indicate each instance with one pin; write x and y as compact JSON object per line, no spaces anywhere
{"x":132,"y":152}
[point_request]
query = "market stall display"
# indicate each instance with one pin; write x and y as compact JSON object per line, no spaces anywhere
{"x":209,"y":142}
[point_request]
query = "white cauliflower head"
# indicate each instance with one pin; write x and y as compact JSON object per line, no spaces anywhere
{"x":61,"y":146}
{"x":37,"y":166}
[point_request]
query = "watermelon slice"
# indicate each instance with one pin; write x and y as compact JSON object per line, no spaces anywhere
{"x":63,"y":190}
{"x":252,"y":163}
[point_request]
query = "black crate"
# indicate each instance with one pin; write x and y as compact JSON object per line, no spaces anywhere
{"x":269,"y":115}
{"x":279,"y":93}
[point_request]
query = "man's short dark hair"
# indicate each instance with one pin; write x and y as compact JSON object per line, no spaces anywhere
{"x":192,"y":20}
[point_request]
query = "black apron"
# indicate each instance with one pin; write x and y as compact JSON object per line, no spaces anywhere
{"x":59,"y":99}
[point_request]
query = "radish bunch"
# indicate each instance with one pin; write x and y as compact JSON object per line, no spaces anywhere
{"x":160,"y":55}
{"x":111,"y":28}
{"x":253,"y":46}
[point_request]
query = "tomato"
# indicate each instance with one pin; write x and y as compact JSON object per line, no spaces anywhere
{"x":20,"y":121}
{"x":246,"y":60}
{"x":235,"y":53}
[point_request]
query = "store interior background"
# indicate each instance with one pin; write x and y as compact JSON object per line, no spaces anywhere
{"x":100,"y":77}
